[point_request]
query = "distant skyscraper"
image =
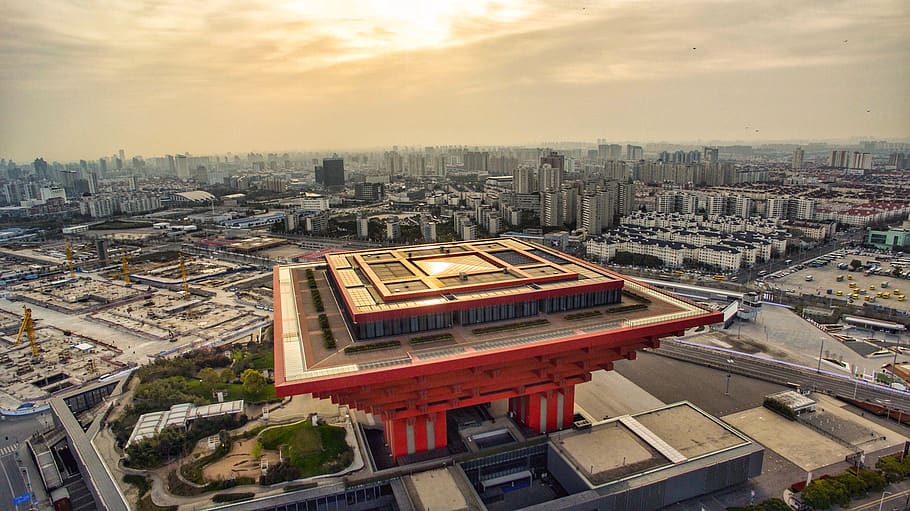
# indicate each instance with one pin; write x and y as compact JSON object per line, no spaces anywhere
{"x":712,"y":154}
{"x":476,"y":161}
{"x":333,"y":169}
{"x":122,"y":156}
{"x":861,"y":161}
{"x":549,"y":178}
{"x":41,"y":168}
{"x":555,"y":160}
{"x":182,"y":165}
{"x":614,"y":152}
{"x":370,"y":192}
{"x":92,"y":183}
{"x":634,"y":152}
{"x":839,"y":159}
{"x":522,"y":179}
{"x":798,"y":154}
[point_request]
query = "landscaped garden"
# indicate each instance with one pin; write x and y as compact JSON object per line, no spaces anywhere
{"x":197,"y":378}
{"x":310,"y":450}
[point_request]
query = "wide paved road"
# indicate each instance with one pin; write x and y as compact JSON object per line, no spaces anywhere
{"x":13,"y":433}
{"x":11,"y":482}
{"x":784,"y":372}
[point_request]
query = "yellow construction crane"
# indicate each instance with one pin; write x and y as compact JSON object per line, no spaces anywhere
{"x":69,"y":259}
{"x":126,"y":270}
{"x":186,"y":286}
{"x":28,"y":327}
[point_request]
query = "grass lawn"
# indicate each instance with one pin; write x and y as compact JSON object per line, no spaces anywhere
{"x":263,"y":360}
{"x":308,"y":448}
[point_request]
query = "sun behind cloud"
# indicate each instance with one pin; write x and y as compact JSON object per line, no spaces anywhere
{"x":372,"y":28}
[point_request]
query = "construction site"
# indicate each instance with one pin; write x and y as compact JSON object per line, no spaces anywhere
{"x":32,"y":370}
{"x":83,"y":317}
{"x":167,"y":315}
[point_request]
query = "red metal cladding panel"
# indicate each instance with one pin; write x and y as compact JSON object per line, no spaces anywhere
{"x":568,"y":406}
{"x":440,"y":429}
{"x":396,"y":433}
{"x":532,"y":417}
{"x":420,"y":433}
{"x":459,"y":383}
{"x":276,"y":330}
{"x":613,"y":339}
{"x":553,"y":409}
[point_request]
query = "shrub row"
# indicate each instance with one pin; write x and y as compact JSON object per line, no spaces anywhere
{"x":627,"y":308}
{"x":782,"y":409}
{"x":229,"y":483}
{"x":281,"y":472}
{"x":510,"y":326}
{"x":894,"y":467}
{"x":583,"y":315}
{"x":636,"y":296}
{"x":314,"y":291}
{"x":839,"y":490}
{"x":327,"y":336}
{"x":357,"y":348}
{"x":299,"y":486}
{"x":431,"y":338}
{"x":232,"y":497}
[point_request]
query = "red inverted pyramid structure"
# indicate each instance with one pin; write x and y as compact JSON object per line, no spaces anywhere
{"x":408,"y":333}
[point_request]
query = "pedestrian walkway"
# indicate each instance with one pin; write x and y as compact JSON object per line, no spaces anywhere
{"x":9,"y":450}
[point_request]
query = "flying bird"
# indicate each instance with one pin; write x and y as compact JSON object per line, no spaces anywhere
{"x":845,"y":41}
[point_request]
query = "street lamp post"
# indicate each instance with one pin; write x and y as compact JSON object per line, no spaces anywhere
{"x":729,"y":376}
{"x":882,"y":501}
{"x":820,"y":350}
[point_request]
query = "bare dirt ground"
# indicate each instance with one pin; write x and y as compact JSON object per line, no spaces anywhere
{"x":239,"y":462}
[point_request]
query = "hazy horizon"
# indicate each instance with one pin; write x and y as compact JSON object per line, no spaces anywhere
{"x":81,"y":80}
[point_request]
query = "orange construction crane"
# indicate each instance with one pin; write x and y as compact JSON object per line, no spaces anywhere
{"x":28,"y":327}
{"x":69,"y":259}
{"x":126,"y":270}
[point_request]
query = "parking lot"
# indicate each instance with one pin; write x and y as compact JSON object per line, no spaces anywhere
{"x":876,"y":288}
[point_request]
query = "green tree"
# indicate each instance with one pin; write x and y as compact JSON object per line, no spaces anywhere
{"x":253,"y":382}
{"x":144,"y":453}
{"x":855,"y":486}
{"x":210,"y":376}
{"x":856,"y":264}
{"x":874,"y":480}
{"x":775,"y":505}
{"x":227,"y":375}
{"x":816,"y":496}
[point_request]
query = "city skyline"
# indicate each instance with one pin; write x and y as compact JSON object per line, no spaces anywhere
{"x":80,"y":81}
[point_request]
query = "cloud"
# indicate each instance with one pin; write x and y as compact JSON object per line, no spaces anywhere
{"x":351,"y":72}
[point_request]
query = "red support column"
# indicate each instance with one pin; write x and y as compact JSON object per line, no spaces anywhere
{"x":396,"y":435}
{"x":554,"y":410}
{"x":545,"y":412}
{"x":440,"y":429}
{"x":412,"y":434}
{"x":519,"y":408}
{"x":420,"y":433}
{"x":568,"y":407}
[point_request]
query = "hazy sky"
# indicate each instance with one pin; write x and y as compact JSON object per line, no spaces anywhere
{"x":80,"y":78}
